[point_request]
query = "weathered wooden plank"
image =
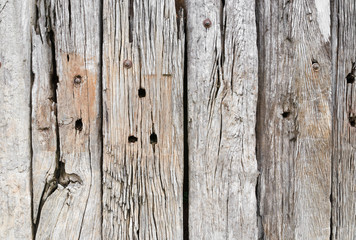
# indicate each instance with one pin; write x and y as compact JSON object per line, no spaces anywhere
{"x":143,"y":129}
{"x":15,"y":145}
{"x":222,"y":96}
{"x":294,"y":119}
{"x":344,"y":121}
{"x":69,"y":31}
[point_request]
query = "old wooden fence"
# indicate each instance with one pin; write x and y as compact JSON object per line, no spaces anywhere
{"x":163,"y":119}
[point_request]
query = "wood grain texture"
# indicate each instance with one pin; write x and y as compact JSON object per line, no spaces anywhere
{"x":143,"y":136}
{"x":67,"y":168}
{"x":294,"y":119}
{"x":15,"y":101}
{"x":222,"y":96}
{"x":344,"y":121}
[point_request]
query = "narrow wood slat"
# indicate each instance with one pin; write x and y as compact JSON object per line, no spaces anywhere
{"x":294,"y":119}
{"x":67,"y":171}
{"x":222,"y":96}
{"x":15,"y":101}
{"x":143,"y":135}
{"x":344,"y":121}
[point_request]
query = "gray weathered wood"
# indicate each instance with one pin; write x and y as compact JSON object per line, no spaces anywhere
{"x":142,"y":176}
{"x":222,"y":96}
{"x":344,"y":121}
{"x":15,"y":144}
{"x":66,"y":120}
{"x":294,"y":119}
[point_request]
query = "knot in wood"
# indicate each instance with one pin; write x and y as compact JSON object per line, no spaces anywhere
{"x":316,"y":67}
{"x":207,"y":23}
{"x":127,"y":64}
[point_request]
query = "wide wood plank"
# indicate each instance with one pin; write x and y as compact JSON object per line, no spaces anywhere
{"x":15,"y":135}
{"x":294,"y":119}
{"x":222,"y":95}
{"x":143,"y":56}
{"x":67,"y":166}
{"x":344,"y":121}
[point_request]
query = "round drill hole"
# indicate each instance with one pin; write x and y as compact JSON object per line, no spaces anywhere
{"x":352,"y":121}
{"x":142,"y":92}
{"x":350,"y":78}
{"x":79,"y":124}
{"x":153,"y":138}
{"x":285,"y":114}
{"x":132,"y":139}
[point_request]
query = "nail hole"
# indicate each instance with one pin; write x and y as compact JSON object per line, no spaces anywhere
{"x":352,"y":121}
{"x":78,"y":79}
{"x":79,"y":124}
{"x":127,"y":64}
{"x":285,"y":114}
{"x":350,"y":78}
{"x":132,"y":139}
{"x":207,"y":23}
{"x":142,"y":92}
{"x":153,"y":138}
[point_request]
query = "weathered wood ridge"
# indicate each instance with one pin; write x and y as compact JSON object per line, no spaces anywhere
{"x":163,"y":119}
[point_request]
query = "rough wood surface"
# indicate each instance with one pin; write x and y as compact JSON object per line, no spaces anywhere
{"x":67,"y":124}
{"x":222,"y":96}
{"x":344,"y":121}
{"x":143,"y":133}
{"x":15,"y":144}
{"x":294,"y":119}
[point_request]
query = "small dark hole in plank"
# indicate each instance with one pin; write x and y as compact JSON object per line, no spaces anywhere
{"x":132,"y":139}
{"x":79,"y":124}
{"x":350,"y":78}
{"x":285,"y":114}
{"x":67,"y":57}
{"x":352,"y":121}
{"x":153,"y":138}
{"x":142,"y":92}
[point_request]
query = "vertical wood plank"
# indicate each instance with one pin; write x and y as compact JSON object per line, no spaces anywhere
{"x":72,"y":208}
{"x":294,"y":119}
{"x":344,"y":121}
{"x":143,"y":133}
{"x":15,"y":146}
{"x":222,"y":99}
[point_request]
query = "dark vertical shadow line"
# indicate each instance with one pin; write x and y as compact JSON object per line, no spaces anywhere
{"x":101,"y":42}
{"x":259,"y":119}
{"x":185,"y":136}
{"x":30,"y":137}
{"x":334,"y":57}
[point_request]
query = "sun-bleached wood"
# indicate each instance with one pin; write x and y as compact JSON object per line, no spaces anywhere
{"x":344,"y":121}
{"x":66,"y":120}
{"x":294,"y":119}
{"x":222,"y":96}
{"x":142,"y":173}
{"x":15,"y":141}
